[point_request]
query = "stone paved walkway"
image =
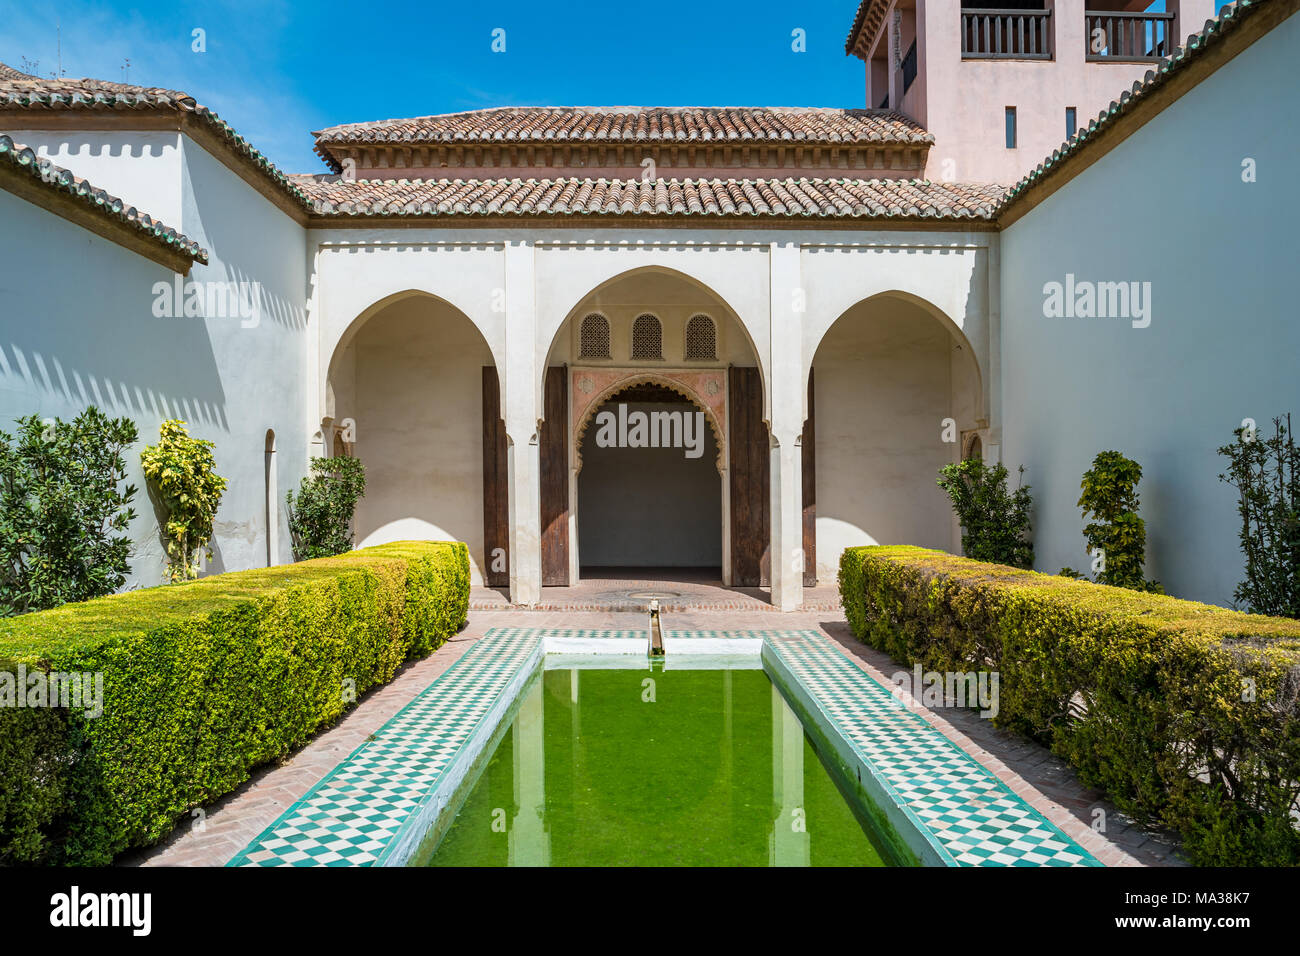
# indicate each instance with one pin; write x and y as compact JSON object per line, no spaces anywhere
{"x":1041,"y":779}
{"x":677,"y":589}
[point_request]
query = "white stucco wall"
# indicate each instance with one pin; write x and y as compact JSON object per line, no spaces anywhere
{"x":139,"y":167}
{"x":78,"y":327}
{"x":1168,"y":206}
{"x":76,"y":330}
{"x":264,"y":365}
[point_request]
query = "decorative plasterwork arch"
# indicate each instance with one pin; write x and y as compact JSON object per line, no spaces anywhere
{"x":665,"y":262}
{"x":590,"y":388}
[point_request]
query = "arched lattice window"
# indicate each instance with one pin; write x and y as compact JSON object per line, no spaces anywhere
{"x":593,"y":338}
{"x":701,"y":339}
{"x":647,"y":338}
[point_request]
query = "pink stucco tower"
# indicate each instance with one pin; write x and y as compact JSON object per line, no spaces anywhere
{"x":1001,"y":87}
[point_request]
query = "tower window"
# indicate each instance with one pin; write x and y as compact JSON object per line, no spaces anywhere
{"x":1071,"y":123}
{"x":1011,"y":127}
{"x":647,"y":338}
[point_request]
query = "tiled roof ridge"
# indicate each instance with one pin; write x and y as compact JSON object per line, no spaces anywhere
{"x":603,"y":109}
{"x":697,"y":126}
{"x":789,"y":197}
{"x":16,"y":156}
{"x":7,"y":72}
{"x":92,"y":94}
{"x":1231,"y":17}
{"x":522,"y":111}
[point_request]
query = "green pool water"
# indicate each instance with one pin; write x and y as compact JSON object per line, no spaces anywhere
{"x":655,"y":768}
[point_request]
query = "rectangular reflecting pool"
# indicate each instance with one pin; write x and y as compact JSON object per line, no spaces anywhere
{"x":654,"y":767}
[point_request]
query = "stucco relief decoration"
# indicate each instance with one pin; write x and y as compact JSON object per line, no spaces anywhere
{"x":592,"y":388}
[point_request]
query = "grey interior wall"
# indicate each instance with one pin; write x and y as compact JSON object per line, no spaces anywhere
{"x":649,"y":507}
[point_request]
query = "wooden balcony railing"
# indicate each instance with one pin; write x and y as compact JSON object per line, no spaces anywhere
{"x":1127,"y":37}
{"x":1006,"y":34}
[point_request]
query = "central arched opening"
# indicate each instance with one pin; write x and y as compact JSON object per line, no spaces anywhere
{"x":655,"y":345}
{"x":649,"y":492}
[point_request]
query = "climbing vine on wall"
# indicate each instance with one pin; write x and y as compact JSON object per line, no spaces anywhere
{"x":181,"y":470}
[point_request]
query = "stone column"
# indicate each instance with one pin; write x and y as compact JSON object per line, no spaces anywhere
{"x":786,"y":409}
{"x":520,"y":387}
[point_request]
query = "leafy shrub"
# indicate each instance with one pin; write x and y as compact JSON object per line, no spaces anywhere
{"x":1266,"y":474}
{"x":183,"y":471}
{"x":202,"y":682}
{"x":1116,"y":535}
{"x":1185,"y":714}
{"x":64,"y":510}
{"x":320,"y":521}
{"x":994,"y":523}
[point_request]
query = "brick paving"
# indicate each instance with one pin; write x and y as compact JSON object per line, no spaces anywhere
{"x":679,"y":590}
{"x":1044,"y":781}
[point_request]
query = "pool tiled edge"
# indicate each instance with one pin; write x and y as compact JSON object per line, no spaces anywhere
{"x":374,"y":807}
{"x":945,"y":804}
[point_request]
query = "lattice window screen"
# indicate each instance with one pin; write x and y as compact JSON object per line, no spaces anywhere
{"x":647,"y":338}
{"x":593,"y":339}
{"x":701,"y":338}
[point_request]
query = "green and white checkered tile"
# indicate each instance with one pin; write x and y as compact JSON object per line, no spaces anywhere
{"x":353,"y":815}
{"x":974,"y":816}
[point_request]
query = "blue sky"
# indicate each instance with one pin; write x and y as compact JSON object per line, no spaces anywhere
{"x":277,"y":70}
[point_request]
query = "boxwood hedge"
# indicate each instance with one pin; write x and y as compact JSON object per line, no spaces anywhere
{"x":1184,"y":714}
{"x":202,"y":682}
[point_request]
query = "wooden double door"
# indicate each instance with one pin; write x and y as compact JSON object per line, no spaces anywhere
{"x":749,"y":488}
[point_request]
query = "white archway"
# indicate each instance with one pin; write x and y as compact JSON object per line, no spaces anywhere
{"x":896,"y":386}
{"x":408,"y":378}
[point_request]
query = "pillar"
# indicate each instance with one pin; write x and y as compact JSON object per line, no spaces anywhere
{"x":520,"y":389}
{"x":786,"y":410}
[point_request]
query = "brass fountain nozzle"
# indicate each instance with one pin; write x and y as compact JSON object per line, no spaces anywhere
{"x":656,"y":635}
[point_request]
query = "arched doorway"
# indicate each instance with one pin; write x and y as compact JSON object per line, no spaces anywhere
{"x":408,"y":380}
{"x":657,"y":344}
{"x":896,"y":387}
{"x":648,"y":488}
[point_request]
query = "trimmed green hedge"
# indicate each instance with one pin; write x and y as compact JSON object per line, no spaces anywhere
{"x":202,"y":682}
{"x":1146,"y":695}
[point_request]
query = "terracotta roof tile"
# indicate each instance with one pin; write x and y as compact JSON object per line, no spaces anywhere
{"x":56,"y":178}
{"x":767,"y":198}
{"x":1229,"y":19}
{"x":20,"y":91}
{"x":634,"y":124}
{"x":7,"y":72}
